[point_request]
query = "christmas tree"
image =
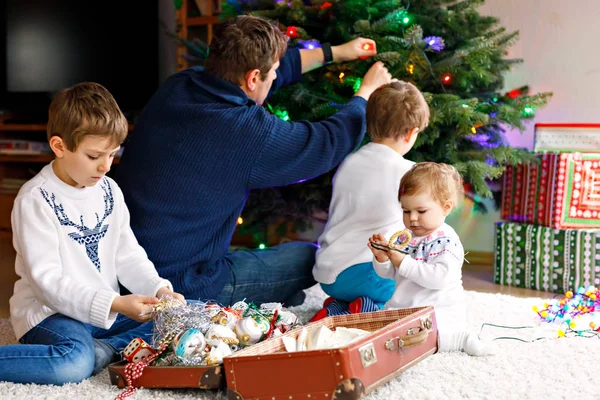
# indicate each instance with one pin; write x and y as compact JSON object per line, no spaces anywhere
{"x":454,"y":55}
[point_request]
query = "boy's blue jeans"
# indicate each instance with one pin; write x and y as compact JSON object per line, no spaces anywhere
{"x":61,"y":350}
{"x":361,"y":280}
{"x":275,"y":274}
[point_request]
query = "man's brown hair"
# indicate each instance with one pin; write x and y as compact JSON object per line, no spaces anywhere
{"x":243,"y":44}
{"x":443,"y":181}
{"x":394,"y":109}
{"x":85,"y":109}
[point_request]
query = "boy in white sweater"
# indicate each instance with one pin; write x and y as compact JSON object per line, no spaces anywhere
{"x":364,"y":200}
{"x":428,"y":270}
{"x":74,"y":246}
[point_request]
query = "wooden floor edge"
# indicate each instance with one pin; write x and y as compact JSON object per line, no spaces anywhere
{"x":480,"y":257}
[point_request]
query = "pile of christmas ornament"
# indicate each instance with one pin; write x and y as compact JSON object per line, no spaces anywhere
{"x":202,"y":333}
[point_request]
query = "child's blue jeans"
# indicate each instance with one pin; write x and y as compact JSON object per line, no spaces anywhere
{"x":361,"y":280}
{"x":61,"y":350}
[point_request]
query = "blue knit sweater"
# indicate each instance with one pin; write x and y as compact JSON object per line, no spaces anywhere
{"x":198,"y":148}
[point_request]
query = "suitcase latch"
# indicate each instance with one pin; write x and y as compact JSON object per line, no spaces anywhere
{"x":426,"y":322}
{"x":367,"y":355}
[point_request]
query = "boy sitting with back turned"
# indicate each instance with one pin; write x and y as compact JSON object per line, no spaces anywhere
{"x":365,"y":200}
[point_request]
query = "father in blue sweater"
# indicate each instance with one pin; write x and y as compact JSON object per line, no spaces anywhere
{"x":204,"y":141}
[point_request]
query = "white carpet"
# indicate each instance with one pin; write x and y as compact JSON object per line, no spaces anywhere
{"x":548,"y":369}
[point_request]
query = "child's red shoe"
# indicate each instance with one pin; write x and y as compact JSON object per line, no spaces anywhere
{"x":361,"y":305}
{"x":333,"y":307}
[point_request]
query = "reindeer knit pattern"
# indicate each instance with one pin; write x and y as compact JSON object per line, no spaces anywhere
{"x":197,"y":150}
{"x":74,"y":246}
{"x":431,"y":273}
{"x":89,"y":237}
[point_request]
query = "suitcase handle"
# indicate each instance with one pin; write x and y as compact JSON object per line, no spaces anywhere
{"x":414,"y":337}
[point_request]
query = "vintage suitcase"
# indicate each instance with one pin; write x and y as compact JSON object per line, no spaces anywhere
{"x":399,"y":339}
{"x":171,"y":377}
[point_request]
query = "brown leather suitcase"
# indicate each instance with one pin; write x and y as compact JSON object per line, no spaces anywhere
{"x":399,"y":339}
{"x":171,"y":377}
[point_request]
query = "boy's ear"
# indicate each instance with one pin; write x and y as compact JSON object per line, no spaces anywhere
{"x":58,"y":146}
{"x":410,"y":134}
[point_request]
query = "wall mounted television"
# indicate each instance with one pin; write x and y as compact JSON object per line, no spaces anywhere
{"x":48,"y":45}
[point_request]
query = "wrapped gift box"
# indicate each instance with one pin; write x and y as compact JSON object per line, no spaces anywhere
{"x":567,"y":137}
{"x":561,"y":191}
{"x":547,"y":259}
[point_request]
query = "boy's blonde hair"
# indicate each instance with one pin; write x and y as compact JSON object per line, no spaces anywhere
{"x":85,"y":109}
{"x":394,"y":109}
{"x":442,"y":180}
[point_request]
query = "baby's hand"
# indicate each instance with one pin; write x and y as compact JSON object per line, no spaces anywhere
{"x":396,"y":258}
{"x":378,"y":239}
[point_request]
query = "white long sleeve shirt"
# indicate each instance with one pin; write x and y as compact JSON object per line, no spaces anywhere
{"x":431,"y":273}
{"x":73,"y":247}
{"x":364,"y":202}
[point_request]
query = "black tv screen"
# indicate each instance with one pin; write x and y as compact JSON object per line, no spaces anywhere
{"x":52,"y":44}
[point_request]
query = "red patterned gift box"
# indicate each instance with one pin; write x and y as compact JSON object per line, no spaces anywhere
{"x":561,"y":191}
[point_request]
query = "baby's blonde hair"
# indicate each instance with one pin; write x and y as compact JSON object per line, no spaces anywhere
{"x":442,"y":180}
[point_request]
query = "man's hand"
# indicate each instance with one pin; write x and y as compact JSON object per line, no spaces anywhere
{"x":135,"y":306}
{"x":165,"y":291}
{"x":354,"y":49}
{"x":380,"y":255}
{"x":376,"y":76}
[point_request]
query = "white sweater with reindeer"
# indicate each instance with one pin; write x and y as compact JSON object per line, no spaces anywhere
{"x":74,"y":246}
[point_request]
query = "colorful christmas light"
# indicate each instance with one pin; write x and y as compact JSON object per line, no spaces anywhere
{"x":576,"y":314}
{"x":309,"y":44}
{"x":357,"y":84}
{"x":292,"y":31}
{"x":435,"y":43}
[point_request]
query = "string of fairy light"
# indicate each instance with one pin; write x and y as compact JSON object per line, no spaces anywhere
{"x":574,"y":313}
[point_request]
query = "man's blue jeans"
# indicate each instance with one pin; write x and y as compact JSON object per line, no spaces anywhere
{"x":61,"y":350}
{"x":275,"y":274}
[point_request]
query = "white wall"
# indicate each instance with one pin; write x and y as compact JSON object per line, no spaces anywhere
{"x":559,"y":45}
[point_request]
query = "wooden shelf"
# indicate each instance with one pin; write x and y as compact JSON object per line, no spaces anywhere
{"x":22,"y":127}
{"x":38,"y":158}
{"x":31,"y":127}
{"x":199,"y":21}
{"x":184,"y":22}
